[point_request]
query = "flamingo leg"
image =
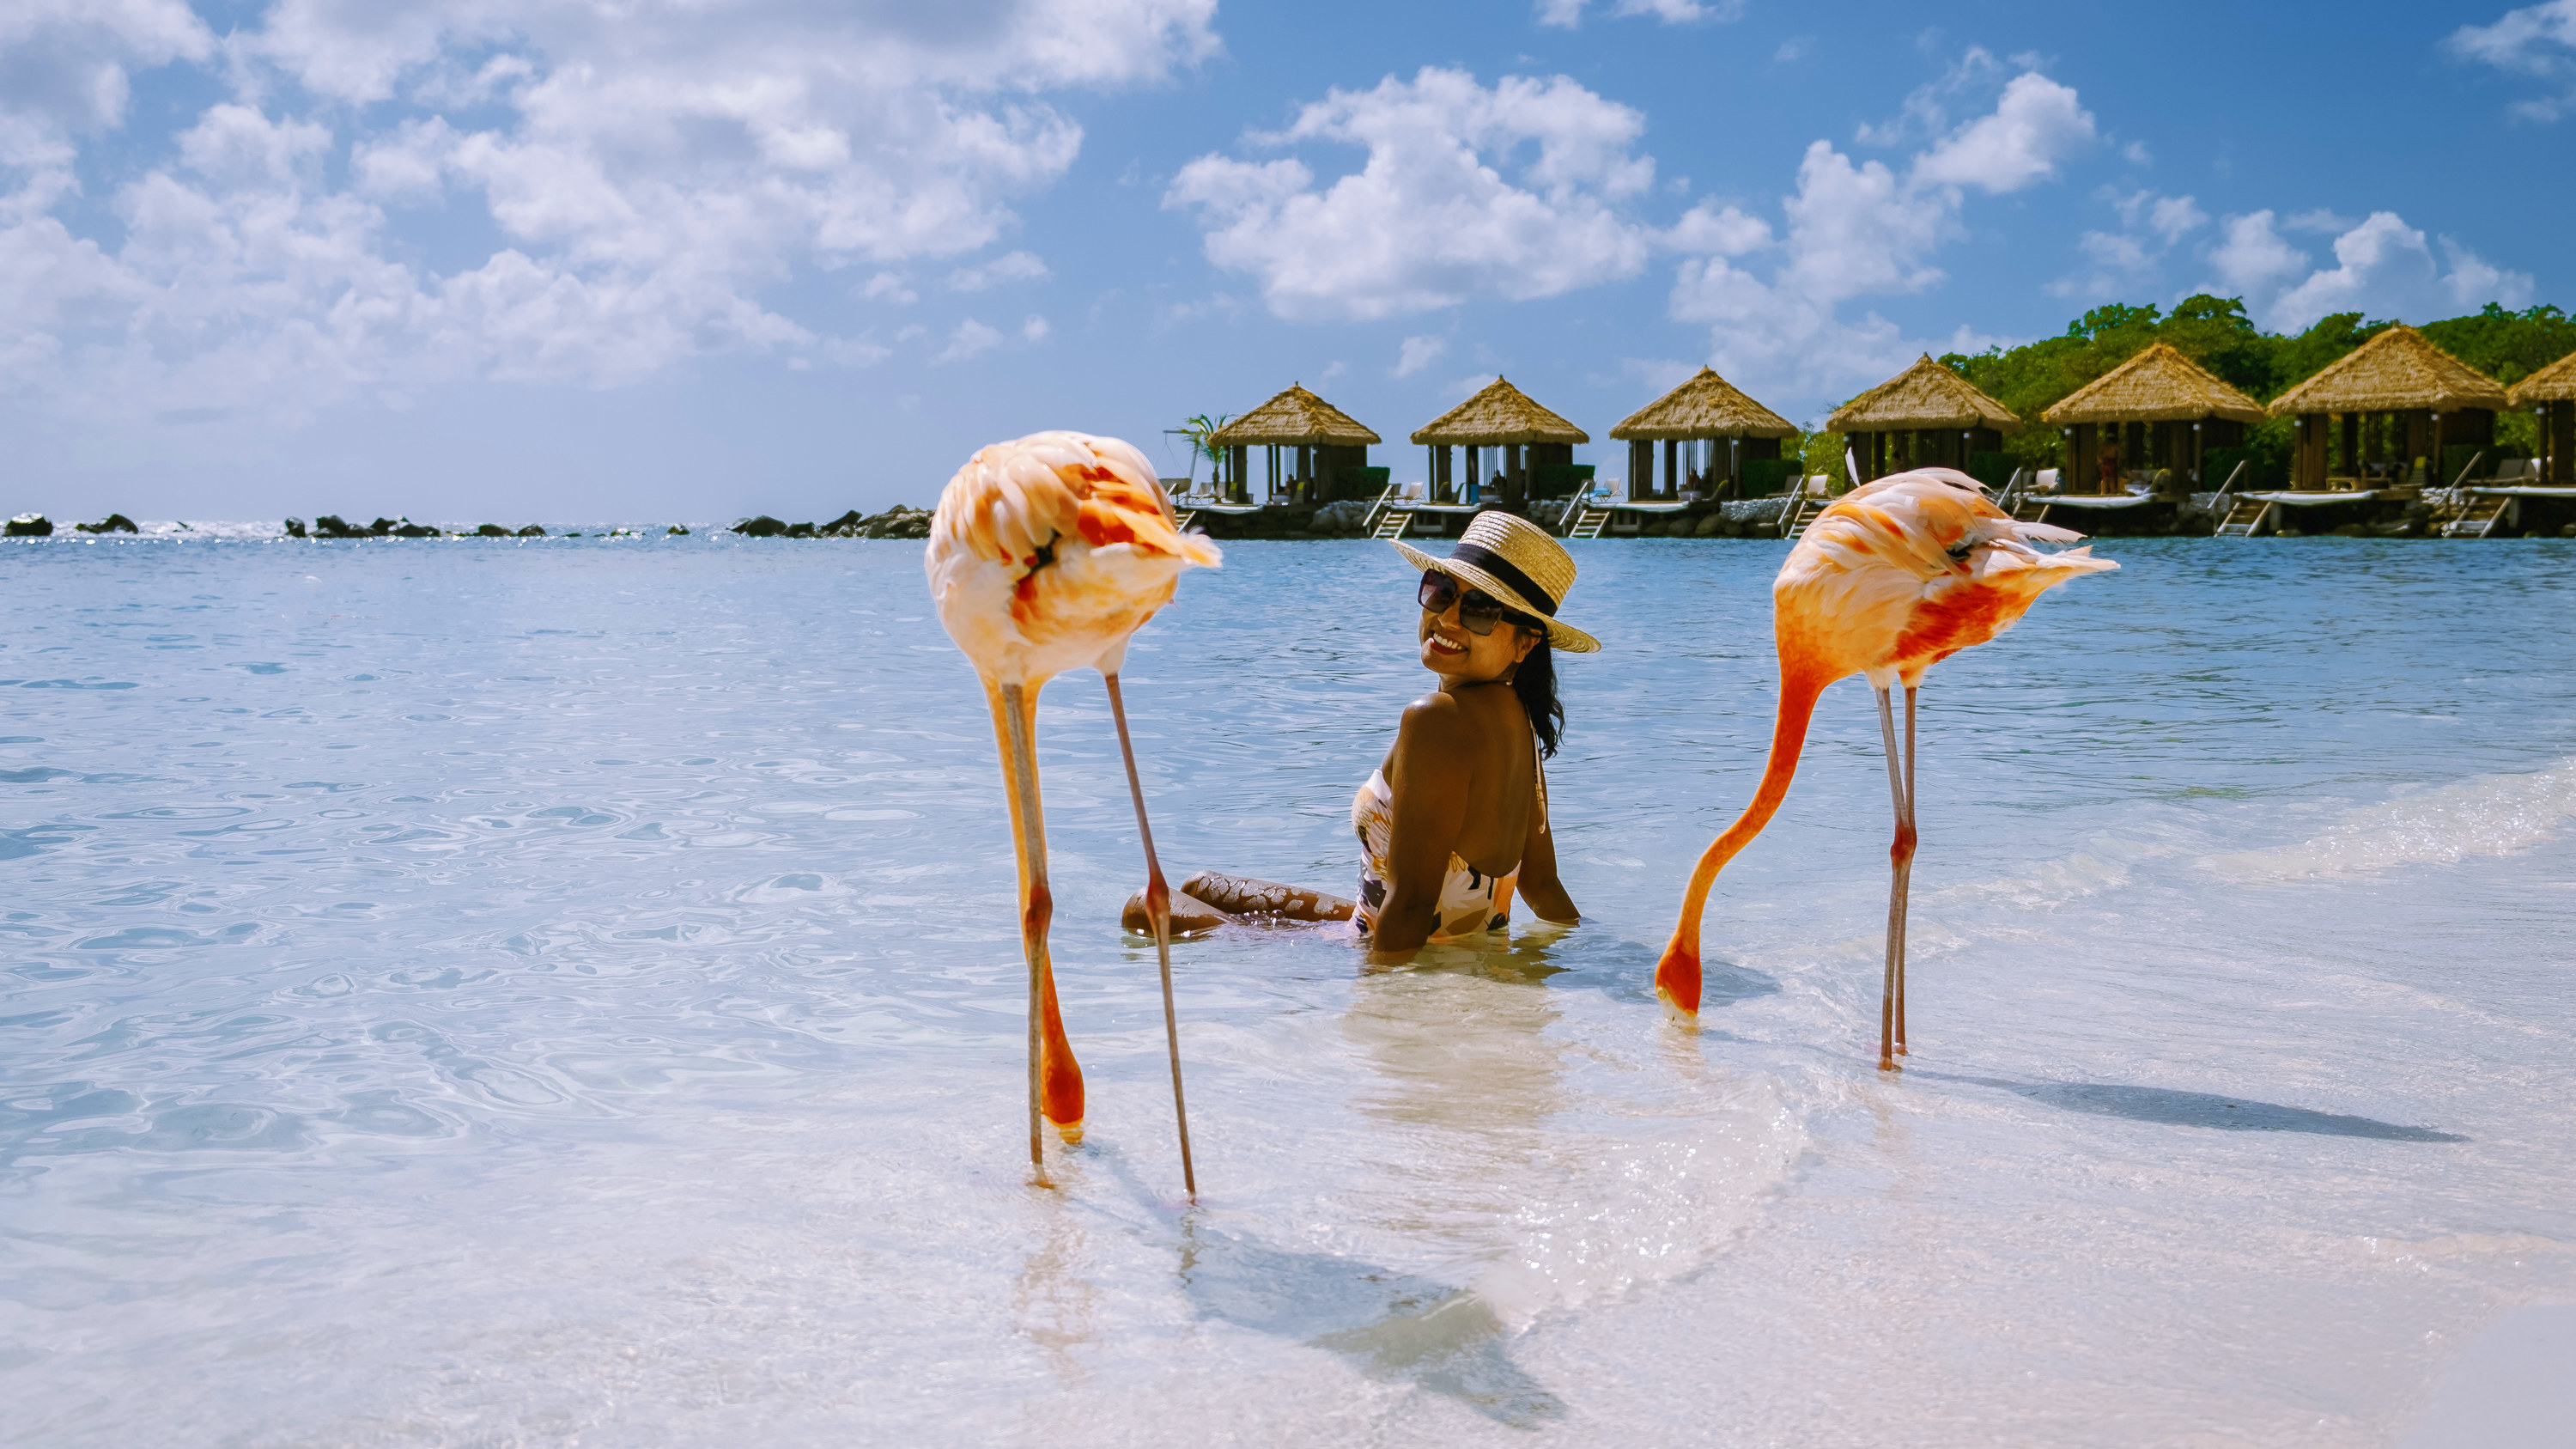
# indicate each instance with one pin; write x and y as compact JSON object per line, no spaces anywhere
{"x":1905,"y":871}
{"x":1055,"y":1078}
{"x":1900,"y":859}
{"x":1158,"y":907}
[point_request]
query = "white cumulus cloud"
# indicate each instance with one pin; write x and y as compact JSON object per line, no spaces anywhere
{"x":1418,"y":353}
{"x":652,"y":173}
{"x":1865,"y":228}
{"x":1569,"y":13}
{"x":1519,"y":190}
{"x":2383,"y":267}
{"x":2537,"y":41}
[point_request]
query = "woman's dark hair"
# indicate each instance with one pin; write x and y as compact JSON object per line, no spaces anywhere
{"x":1535,"y":682}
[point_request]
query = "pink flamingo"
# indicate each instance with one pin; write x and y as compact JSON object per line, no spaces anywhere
{"x":1047,"y":554}
{"x":1895,"y":577}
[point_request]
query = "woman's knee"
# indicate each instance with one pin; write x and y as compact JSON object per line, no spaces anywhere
{"x":1189,"y":915}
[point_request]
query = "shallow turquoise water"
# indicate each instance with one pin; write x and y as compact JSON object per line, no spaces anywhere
{"x":553,"y":992}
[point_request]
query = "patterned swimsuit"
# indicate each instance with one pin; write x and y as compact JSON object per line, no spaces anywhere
{"x":1471,"y":902}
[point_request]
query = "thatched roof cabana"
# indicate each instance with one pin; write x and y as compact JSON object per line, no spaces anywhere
{"x":1328,"y":446}
{"x":1706,"y":406}
{"x":1500,"y":415}
{"x":1924,"y":417}
{"x":1526,"y":437}
{"x":2396,"y":371}
{"x":2159,"y":385}
{"x":2159,"y":410}
{"x":1924,"y":397}
{"x":2551,"y":392}
{"x":2398,"y":397}
{"x":1296,"y":418}
{"x":1709,"y":430}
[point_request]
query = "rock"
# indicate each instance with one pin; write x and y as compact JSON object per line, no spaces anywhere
{"x":2567,"y":530}
{"x":1711,"y":526}
{"x":332,"y":525}
{"x":2351,"y":530}
{"x":383,"y":526}
{"x":31,"y":525}
{"x":762,"y":527}
{"x":295,"y":528}
{"x":800,"y":530}
{"x":675,"y":531}
{"x":1343,"y":516}
{"x":900,"y":521}
{"x":845,"y":526}
{"x":491,"y":530}
{"x":119,"y":523}
{"x":409,"y":529}
{"x":533,"y":531}
{"x":2287,"y":533}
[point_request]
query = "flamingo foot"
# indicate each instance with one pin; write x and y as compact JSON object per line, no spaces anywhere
{"x":1888,"y":1064}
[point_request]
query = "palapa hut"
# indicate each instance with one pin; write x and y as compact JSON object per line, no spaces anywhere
{"x":1924,"y":417}
{"x":2367,"y":415}
{"x":1328,"y":447}
{"x":2551,"y":392}
{"x":1709,"y":430}
{"x":1525,"y":438}
{"x":2159,"y":411}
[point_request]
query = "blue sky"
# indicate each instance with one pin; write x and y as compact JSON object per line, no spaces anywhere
{"x":563,"y":259}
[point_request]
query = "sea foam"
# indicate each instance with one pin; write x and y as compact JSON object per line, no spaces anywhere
{"x":2481,"y":815}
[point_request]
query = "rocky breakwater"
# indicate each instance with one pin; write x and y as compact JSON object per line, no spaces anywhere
{"x":900,"y":521}
{"x":31,"y":525}
{"x":331,"y":525}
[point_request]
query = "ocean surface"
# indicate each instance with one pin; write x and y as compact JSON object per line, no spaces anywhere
{"x":564,"y":991}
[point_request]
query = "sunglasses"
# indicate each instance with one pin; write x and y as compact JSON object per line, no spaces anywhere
{"x":1478,"y":614}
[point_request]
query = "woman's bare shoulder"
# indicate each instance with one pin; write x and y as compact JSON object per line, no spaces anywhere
{"x":1436,"y":716}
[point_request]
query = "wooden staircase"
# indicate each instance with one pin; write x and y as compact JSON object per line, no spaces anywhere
{"x":2475,"y":518}
{"x":1391,"y":525}
{"x":2245,"y":518}
{"x":1183,"y":522}
{"x":1588,"y":522}
{"x":1805,"y":513}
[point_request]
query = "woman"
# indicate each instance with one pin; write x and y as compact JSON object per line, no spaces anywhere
{"x":1454,"y":822}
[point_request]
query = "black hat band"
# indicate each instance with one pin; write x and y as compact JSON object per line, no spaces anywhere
{"x":1508,"y":573}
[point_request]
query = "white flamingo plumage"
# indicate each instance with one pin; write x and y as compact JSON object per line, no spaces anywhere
{"x":1047,"y":553}
{"x":1895,"y":577}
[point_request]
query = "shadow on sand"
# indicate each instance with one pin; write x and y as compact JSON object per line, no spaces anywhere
{"x":2200,"y":1109}
{"x":1394,"y":1326}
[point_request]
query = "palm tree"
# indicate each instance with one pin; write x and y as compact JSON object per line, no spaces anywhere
{"x":1201,"y":430}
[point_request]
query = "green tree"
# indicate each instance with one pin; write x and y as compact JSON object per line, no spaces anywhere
{"x":1201,"y":430}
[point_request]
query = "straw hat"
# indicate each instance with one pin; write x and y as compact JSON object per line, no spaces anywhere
{"x":1513,"y":560}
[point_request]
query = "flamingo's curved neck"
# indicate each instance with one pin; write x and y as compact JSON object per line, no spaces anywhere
{"x":1799,"y":689}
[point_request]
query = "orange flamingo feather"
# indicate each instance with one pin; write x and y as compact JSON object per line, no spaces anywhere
{"x":1047,"y":554}
{"x":1895,"y":577}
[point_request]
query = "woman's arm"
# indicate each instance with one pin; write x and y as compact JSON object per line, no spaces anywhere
{"x":1431,"y":780}
{"x":1539,"y":885}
